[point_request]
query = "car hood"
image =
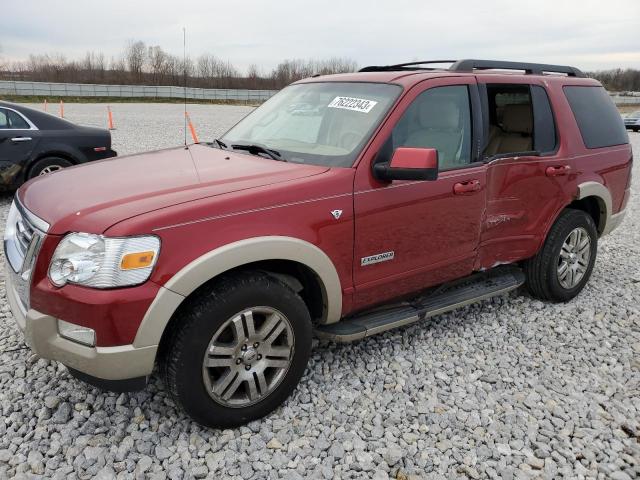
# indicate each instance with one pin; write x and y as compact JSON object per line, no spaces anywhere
{"x":92,"y":197}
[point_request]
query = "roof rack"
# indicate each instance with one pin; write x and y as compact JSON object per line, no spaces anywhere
{"x":469,"y":65}
{"x":529,"y":68}
{"x":404,"y":66}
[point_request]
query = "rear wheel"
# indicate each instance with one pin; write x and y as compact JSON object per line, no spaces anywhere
{"x":48,"y":165}
{"x":237,"y":352}
{"x":563,"y":266}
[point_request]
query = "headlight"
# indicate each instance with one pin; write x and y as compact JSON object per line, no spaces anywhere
{"x":103,"y":262}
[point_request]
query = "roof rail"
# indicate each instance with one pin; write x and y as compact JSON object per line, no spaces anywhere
{"x":403,"y":66}
{"x":529,"y":68}
{"x":469,"y":65}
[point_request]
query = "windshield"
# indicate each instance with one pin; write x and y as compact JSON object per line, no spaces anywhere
{"x":635,"y":114}
{"x":316,"y":123}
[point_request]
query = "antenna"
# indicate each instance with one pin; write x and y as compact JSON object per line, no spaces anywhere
{"x":184,"y":70}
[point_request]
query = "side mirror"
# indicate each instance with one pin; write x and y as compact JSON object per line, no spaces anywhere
{"x":409,"y":164}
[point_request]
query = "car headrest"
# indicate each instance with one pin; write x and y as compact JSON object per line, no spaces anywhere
{"x":439,"y":112}
{"x":517,"y":119}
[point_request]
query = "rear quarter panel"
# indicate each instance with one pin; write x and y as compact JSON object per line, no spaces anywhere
{"x":610,"y":166}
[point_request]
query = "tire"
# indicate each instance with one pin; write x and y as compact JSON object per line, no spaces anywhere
{"x":47,"y":165}
{"x":546,"y":278}
{"x":200,"y":327}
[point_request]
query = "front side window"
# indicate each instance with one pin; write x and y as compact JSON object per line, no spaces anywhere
{"x":438,"y":118}
{"x":325,"y":123}
{"x":11,"y":120}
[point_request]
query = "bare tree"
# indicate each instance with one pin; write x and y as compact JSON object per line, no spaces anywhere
{"x":3,"y":66}
{"x":141,"y":64}
{"x":618,"y":80}
{"x":253,"y":76}
{"x":292,"y":70}
{"x":157,"y":59}
{"x":135,"y":54}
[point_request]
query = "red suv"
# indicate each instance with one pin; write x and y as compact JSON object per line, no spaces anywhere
{"x":406,"y":187}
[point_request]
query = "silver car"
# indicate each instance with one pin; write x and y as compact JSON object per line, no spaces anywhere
{"x":632,"y":121}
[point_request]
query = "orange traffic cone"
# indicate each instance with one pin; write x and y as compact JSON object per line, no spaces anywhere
{"x":61,"y":109}
{"x":110,"y":116}
{"x":193,"y":130}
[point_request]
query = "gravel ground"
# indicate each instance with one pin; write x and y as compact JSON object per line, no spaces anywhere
{"x":141,"y":127}
{"x":508,"y":388}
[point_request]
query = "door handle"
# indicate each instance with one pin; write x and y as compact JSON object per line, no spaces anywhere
{"x":465,"y":188}
{"x":21,"y":139}
{"x":557,"y":171}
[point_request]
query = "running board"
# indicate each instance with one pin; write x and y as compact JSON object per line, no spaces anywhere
{"x":459,"y":293}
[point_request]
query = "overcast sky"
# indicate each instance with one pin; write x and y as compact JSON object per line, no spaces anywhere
{"x":590,"y":34}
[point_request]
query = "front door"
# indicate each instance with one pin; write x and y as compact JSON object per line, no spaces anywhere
{"x":410,"y":235}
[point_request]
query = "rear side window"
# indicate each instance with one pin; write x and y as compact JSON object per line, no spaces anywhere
{"x":11,"y":120}
{"x":598,"y":118}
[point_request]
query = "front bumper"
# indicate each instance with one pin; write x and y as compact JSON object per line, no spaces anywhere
{"x":100,"y":366}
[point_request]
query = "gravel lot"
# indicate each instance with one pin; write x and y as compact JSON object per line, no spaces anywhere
{"x":508,"y":388}
{"x":141,"y":127}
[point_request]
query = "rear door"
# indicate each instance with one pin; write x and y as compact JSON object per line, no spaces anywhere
{"x":410,"y":235}
{"x":529,"y":171}
{"x":18,"y":139}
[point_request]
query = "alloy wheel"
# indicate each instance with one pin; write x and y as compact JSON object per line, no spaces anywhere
{"x":573,"y":261}
{"x":50,"y":169}
{"x":248,"y":356}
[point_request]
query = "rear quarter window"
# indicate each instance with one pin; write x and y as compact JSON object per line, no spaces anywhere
{"x":11,"y":120}
{"x":598,"y":118}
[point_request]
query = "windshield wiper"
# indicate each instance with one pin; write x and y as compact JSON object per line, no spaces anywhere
{"x":256,"y":149}
{"x":220,"y":143}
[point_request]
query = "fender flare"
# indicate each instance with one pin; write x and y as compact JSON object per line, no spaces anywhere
{"x":233,"y":255}
{"x":595,"y":189}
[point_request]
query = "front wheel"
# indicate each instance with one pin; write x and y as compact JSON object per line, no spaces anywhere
{"x":563,"y":266}
{"x":238,"y":351}
{"x":48,"y":165}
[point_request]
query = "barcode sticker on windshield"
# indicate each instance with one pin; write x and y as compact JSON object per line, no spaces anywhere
{"x":350,"y":103}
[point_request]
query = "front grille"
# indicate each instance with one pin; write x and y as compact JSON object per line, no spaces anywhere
{"x":22,"y":239}
{"x":24,"y":235}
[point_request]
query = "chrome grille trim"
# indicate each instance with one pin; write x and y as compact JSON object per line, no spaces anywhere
{"x":22,"y":242}
{"x":34,"y":220}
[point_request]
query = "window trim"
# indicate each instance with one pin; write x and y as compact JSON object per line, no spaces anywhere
{"x":32,"y":126}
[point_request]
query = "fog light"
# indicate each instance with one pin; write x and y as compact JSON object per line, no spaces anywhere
{"x":77,"y":333}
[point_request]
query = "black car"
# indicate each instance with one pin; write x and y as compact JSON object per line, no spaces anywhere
{"x":33,"y":143}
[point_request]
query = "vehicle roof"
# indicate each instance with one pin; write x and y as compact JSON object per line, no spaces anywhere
{"x":411,"y":77}
{"x":42,"y":120}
